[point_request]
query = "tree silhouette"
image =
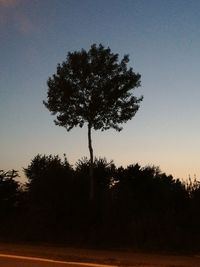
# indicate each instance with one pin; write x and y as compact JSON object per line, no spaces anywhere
{"x":9,"y":202}
{"x":9,"y":190}
{"x":95,"y":88}
{"x":50,"y":195}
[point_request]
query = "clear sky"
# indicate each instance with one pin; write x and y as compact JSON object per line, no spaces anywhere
{"x":162,"y":38}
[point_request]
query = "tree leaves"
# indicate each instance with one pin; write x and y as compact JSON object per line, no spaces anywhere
{"x":93,"y":87}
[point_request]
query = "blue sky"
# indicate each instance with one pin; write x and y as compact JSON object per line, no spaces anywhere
{"x":162,"y":38}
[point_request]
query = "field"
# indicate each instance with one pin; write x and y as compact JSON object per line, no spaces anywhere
{"x":112,"y":257}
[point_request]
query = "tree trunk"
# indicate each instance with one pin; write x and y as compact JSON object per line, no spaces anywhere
{"x":91,"y":162}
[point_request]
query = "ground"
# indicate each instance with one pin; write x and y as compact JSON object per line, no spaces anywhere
{"x":114,"y":257}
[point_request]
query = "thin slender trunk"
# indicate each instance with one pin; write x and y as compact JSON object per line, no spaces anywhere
{"x":91,"y":162}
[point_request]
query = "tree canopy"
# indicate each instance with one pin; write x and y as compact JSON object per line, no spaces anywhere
{"x":93,"y":87}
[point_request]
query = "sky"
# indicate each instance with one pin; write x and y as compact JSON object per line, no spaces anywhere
{"x":162,"y":38}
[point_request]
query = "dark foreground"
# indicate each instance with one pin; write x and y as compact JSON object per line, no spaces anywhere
{"x":135,"y":207}
{"x":107,"y":257}
{"x":21,"y":261}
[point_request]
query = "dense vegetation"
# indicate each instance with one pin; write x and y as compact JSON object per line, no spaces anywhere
{"x":136,"y":206}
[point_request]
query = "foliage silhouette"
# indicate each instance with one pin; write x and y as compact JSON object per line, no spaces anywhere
{"x":9,"y":189}
{"x":49,"y":192}
{"x":149,"y":205}
{"x":94,"y":88}
{"x":103,"y":172}
{"x":9,"y":201}
{"x":136,"y":207}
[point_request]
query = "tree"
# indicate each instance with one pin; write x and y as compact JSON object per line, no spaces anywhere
{"x":9,"y":190}
{"x":48,"y":178}
{"x":95,"y":88}
{"x":10,"y":196}
{"x":49,"y":196}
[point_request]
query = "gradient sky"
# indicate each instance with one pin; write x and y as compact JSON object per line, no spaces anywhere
{"x":162,"y":38}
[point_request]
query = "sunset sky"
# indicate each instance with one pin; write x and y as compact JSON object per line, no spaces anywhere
{"x":162,"y":38}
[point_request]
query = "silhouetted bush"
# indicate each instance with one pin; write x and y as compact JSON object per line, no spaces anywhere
{"x":10,"y":193}
{"x":49,"y":196}
{"x":148,"y":206}
{"x":135,"y":206}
